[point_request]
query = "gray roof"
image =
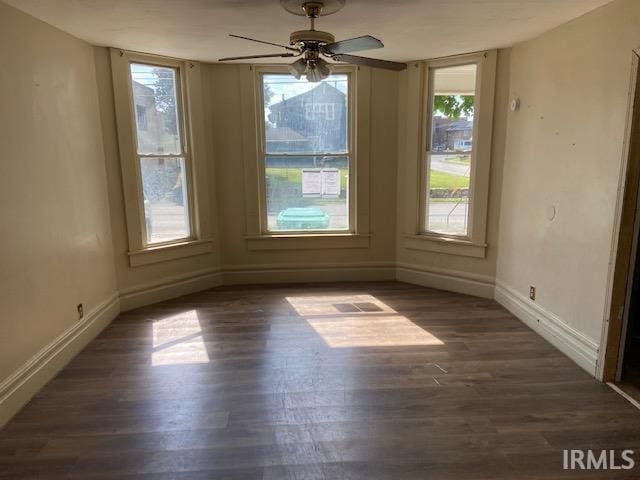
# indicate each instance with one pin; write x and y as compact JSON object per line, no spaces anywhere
{"x":283,"y":134}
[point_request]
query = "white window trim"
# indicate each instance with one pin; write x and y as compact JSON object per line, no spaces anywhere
{"x":474,"y":244}
{"x":257,"y":235}
{"x":200,"y":241}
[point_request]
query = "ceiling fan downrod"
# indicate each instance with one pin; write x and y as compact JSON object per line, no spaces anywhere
{"x":315,"y":37}
{"x":312,"y":10}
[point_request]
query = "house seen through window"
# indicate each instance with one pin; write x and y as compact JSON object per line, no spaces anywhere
{"x":162,"y":159}
{"x":306,"y":153}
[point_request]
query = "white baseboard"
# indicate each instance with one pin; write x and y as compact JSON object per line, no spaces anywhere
{"x":17,"y":389}
{"x":248,"y":274}
{"x":176,"y":286}
{"x":169,"y":287}
{"x":574,"y":344}
{"x":453,"y":281}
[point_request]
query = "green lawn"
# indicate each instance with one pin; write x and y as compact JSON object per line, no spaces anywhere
{"x":285,"y":174}
{"x":448,"y":180}
{"x":438,"y":179}
{"x":294,"y":175}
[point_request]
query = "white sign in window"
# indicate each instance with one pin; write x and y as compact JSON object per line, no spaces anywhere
{"x":311,"y":182}
{"x":330,"y":183}
{"x":321,"y":182}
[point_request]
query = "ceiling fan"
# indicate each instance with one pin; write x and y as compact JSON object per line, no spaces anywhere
{"x":311,"y":45}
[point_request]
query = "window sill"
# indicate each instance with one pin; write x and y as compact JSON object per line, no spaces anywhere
{"x":318,"y":241}
{"x":450,"y":246}
{"x":174,"y":251}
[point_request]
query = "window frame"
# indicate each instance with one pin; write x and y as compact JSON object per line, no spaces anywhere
{"x":474,"y":243}
{"x":183,"y":131}
{"x":429,"y":98}
{"x":262,"y":154}
{"x":191,"y":126}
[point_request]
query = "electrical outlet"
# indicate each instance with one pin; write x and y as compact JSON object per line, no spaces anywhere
{"x":532,"y":293}
{"x":80,"y":311}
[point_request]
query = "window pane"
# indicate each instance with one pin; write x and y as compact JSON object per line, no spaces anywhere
{"x":156,"y":109}
{"x":451,"y":148}
{"x":453,"y":106}
{"x":304,"y":117}
{"x":166,"y":208}
{"x":307,"y":193}
{"x":448,"y":198}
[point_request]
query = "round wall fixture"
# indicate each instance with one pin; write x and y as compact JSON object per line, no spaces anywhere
{"x":515,"y":104}
{"x":326,"y":7}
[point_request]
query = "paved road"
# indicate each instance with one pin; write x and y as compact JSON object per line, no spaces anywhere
{"x":440,"y":164}
{"x":448,"y":217}
{"x":168,"y":221}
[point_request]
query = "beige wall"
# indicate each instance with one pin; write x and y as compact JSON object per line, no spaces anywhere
{"x":56,"y":238}
{"x":564,"y":149}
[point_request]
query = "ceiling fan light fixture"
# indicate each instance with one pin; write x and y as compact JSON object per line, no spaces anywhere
{"x":298,"y":68}
{"x":313,"y":74}
{"x":323,"y":67}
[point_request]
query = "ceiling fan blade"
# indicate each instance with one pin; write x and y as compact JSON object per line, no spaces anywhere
{"x":370,"y":62}
{"x":248,"y":57}
{"x":262,"y":41}
{"x":366,"y":42}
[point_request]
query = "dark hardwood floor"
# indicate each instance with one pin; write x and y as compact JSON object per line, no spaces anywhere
{"x":337,"y":381}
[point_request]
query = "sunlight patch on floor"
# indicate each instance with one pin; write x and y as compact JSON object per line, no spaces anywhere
{"x":178,"y":340}
{"x":345,"y":321}
{"x":308,"y":306}
{"x":372,"y":331}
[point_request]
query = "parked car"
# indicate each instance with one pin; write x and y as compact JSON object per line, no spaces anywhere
{"x":463,"y":145}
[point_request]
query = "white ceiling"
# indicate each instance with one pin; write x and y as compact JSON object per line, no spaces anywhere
{"x":410,"y":29}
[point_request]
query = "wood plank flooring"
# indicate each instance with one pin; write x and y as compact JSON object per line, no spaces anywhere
{"x":337,"y":381}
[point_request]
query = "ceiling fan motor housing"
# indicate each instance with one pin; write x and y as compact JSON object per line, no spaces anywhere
{"x":316,"y":36}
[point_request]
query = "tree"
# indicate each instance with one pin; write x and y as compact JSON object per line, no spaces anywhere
{"x":165,"y":97}
{"x":267,"y":94}
{"x":454,"y":106}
